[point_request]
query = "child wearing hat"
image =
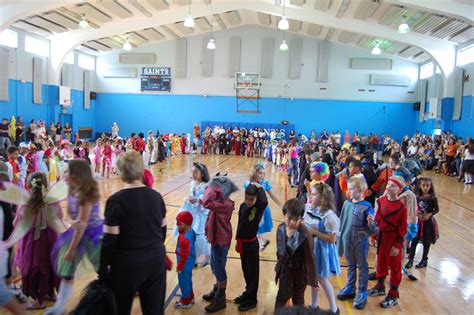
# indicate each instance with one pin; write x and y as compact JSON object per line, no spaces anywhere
{"x":391,"y":218}
{"x":186,"y":259}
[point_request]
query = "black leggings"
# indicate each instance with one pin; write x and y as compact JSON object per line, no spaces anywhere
{"x":143,"y":274}
{"x":449,"y":164}
{"x":426,"y":249}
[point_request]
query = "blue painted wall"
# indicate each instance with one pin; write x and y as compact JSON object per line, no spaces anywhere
{"x":178,"y":113}
{"x":462,"y":128}
{"x":21,"y":104}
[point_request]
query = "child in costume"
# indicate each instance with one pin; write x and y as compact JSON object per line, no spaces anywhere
{"x":266,"y":223}
{"x":295,"y":268}
{"x":250,"y":214}
{"x":323,"y":224}
{"x":37,"y":225}
{"x":319,"y":173}
{"x":106,"y":158}
{"x":78,"y":247}
{"x":193,"y":204}
{"x":357,"y":224}
{"x":13,"y":164}
{"x":97,"y":157}
{"x":427,"y":227}
{"x":219,"y":234}
{"x":391,"y":217}
{"x":186,"y":258}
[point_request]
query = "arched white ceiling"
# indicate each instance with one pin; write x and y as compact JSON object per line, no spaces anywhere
{"x":438,"y":25}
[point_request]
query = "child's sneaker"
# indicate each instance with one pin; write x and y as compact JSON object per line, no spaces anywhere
{"x":346,"y":293}
{"x":360,"y":300}
{"x":377,"y":291}
{"x":180,"y":305}
{"x":389,"y":301}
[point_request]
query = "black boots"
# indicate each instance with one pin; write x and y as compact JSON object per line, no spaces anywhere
{"x":422,"y":264}
{"x":210,"y":296}
{"x":219,"y":302}
{"x":409,"y":264}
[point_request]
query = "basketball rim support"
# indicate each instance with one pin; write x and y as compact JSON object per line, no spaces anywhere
{"x":247,"y":92}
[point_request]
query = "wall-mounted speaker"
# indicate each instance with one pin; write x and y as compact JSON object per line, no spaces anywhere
{"x":284,"y":122}
{"x":93,"y":95}
{"x":417,"y":106}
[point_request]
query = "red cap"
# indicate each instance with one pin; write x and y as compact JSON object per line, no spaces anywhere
{"x":184,"y":217}
{"x":148,"y":178}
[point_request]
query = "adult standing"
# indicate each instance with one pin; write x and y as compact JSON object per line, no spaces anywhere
{"x":32,"y":131}
{"x":4,"y":134}
{"x":115,"y":130}
{"x":133,"y":251}
{"x":20,"y":131}
{"x":59,"y":130}
{"x":67,"y":131}
{"x":40,"y":131}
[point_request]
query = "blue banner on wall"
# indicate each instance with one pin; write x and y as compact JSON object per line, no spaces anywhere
{"x":156,"y":79}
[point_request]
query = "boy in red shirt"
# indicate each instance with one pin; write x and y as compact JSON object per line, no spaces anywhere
{"x":391,"y":218}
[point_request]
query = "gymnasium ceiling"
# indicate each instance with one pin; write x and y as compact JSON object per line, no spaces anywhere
{"x":444,"y":28}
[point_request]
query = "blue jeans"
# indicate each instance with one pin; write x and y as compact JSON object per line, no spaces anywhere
{"x":218,"y":262}
{"x":5,"y":295}
{"x":294,"y":170}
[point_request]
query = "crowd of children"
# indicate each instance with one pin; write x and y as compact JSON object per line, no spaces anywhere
{"x":346,"y":196}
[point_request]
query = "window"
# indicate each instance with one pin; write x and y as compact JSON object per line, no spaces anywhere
{"x":37,"y":46}
{"x":86,"y":62}
{"x":69,"y":58}
{"x":465,"y":55}
{"x":426,"y":70}
{"x":9,"y":38}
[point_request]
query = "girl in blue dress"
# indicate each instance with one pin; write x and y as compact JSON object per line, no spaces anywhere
{"x":193,"y":204}
{"x":324,"y":224}
{"x":266,"y":225}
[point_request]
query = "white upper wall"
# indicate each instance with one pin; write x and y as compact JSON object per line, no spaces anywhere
{"x":343,"y":84}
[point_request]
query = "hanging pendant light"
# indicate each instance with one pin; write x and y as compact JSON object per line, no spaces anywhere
{"x":127,"y":45}
{"x":283,"y":45}
{"x":404,"y":27}
{"x":211,"y":44}
{"x":283,"y":23}
{"x":83,"y":24}
{"x":189,"y":21}
{"x":376,"y":50}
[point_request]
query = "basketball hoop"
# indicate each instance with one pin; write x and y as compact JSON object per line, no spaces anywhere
{"x":246,"y":84}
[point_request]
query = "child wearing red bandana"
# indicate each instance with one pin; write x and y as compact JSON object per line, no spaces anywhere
{"x":391,"y":218}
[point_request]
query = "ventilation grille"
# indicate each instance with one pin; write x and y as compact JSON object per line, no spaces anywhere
{"x":389,"y":79}
{"x":133,"y":59}
{"x":371,"y":64}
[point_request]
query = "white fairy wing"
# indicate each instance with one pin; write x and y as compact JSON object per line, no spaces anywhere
{"x":14,"y":194}
{"x":57,"y":193}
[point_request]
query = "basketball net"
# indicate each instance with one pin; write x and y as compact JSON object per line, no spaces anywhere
{"x":246,"y":84}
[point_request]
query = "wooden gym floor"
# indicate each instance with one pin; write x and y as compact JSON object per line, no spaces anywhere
{"x":445,"y":287}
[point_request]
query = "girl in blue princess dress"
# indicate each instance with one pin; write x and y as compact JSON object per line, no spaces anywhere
{"x":266,"y":225}
{"x":323,"y":224}
{"x":193,"y":204}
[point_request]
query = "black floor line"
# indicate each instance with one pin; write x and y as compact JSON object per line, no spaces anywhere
{"x":457,"y":204}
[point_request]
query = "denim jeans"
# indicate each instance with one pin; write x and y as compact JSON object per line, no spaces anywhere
{"x":218,"y":262}
{"x":5,"y":141}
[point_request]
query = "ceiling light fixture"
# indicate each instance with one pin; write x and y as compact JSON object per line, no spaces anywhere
{"x":211,"y":44}
{"x":83,"y":24}
{"x":404,"y":27}
{"x":127,"y":45}
{"x":284,"y":45}
{"x":189,"y":21}
{"x":283,"y":23}
{"x":376,"y":50}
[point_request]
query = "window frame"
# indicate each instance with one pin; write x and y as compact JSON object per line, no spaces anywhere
{"x":37,"y":49}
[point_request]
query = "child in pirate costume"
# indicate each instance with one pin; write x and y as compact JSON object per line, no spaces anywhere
{"x":391,"y":217}
{"x":219,"y":235}
{"x":357,"y":224}
{"x":295,"y":268}
{"x":250,"y":214}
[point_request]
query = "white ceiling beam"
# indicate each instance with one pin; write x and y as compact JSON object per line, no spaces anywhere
{"x":452,"y":8}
